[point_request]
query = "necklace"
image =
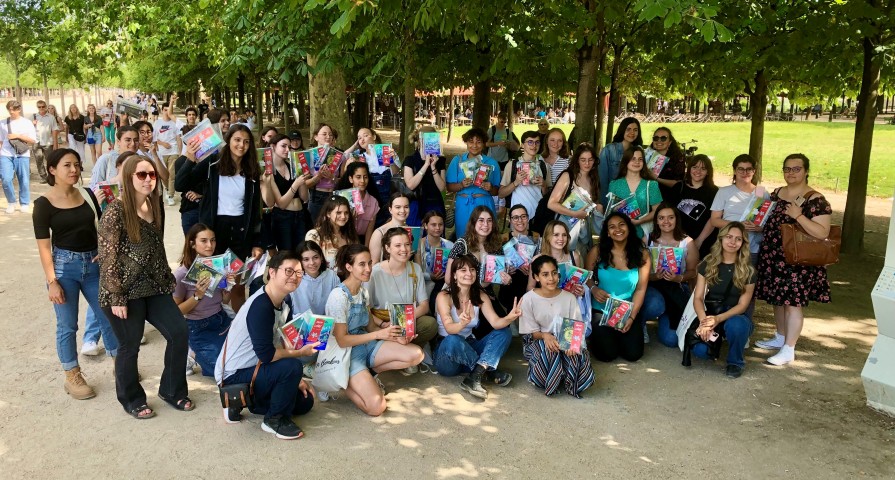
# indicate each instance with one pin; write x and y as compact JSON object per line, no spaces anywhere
{"x":395,"y":282}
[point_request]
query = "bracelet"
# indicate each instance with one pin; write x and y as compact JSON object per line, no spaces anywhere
{"x":800,"y":216}
{"x":50,"y":282}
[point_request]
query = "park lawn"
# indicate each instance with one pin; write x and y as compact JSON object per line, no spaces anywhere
{"x":828,"y":145}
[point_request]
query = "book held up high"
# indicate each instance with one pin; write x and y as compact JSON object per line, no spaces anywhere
{"x":354,"y":199}
{"x":431,"y":143}
{"x":208,"y":137}
{"x":265,"y":159}
{"x":627,"y":205}
{"x":383,"y":153}
{"x":655,"y":161}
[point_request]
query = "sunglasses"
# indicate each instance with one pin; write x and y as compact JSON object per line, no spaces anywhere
{"x":658,"y":138}
{"x":142,"y":175}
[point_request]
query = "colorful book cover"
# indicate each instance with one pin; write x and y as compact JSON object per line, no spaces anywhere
{"x":112,"y":191}
{"x":265,"y":159}
{"x":242,"y":274}
{"x":332,"y":158}
{"x":383,"y":153}
{"x":431,"y":143}
{"x":492,"y":265}
{"x":758,"y":210}
{"x":353,"y":197}
{"x":469,"y":168}
{"x":527,"y":171}
{"x":299,"y":163}
{"x":569,"y":332}
{"x":570,"y":275}
{"x":616,"y":313}
{"x":481,"y":175}
{"x":439,"y":260}
{"x":655,"y":161}
{"x":307,"y":328}
{"x":414,"y":233}
{"x":627,"y":206}
{"x":667,"y":259}
{"x":317,"y":156}
{"x":577,"y":200}
{"x":209,"y":138}
{"x":402,"y":315}
{"x":199,"y":271}
{"x":519,"y":251}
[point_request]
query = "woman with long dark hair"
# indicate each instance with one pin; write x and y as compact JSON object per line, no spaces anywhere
{"x":634,"y":179}
{"x":627,"y":135}
{"x":582,"y":173}
{"x":693,"y":198}
{"x":334,"y":229}
{"x":284,"y":192}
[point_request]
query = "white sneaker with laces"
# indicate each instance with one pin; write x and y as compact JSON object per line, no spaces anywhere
{"x":25,"y":209}
{"x":772,"y":343}
{"x":786,"y":355}
{"x":190,"y":365}
{"x":90,"y":349}
{"x":11,"y":209}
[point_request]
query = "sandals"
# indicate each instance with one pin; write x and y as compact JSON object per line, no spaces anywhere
{"x":135,"y":412}
{"x":184,"y":404}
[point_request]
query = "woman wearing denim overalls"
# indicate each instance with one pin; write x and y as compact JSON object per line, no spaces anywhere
{"x":371,"y":353}
{"x":65,"y":222}
{"x":469,"y":195}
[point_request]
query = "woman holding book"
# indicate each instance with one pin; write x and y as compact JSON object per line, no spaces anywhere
{"x":518,"y":276}
{"x":284,"y":191}
{"x":621,"y":266}
{"x":460,"y":310}
{"x":381,"y":169}
{"x":671,"y":274}
{"x":721,"y":298}
{"x":433,"y":246}
{"x":136,"y":285}
{"x":692,"y":198}
{"x":627,"y":135}
{"x":672,"y":172}
{"x":323,"y":182}
{"x":425,"y":175}
{"x":582,"y":173}
{"x":373,"y":349}
{"x":732,"y":203}
{"x":206,"y":320}
{"x":549,"y":366}
{"x":462,"y":174}
{"x":524,"y":180}
{"x":556,"y":154}
{"x":638,"y":189}
{"x":397,"y":280}
{"x":317,"y":280}
{"x":357,"y":175}
{"x":335,"y":228}
{"x":231,"y":204}
{"x":399,"y":209}
{"x":787,"y":287}
{"x":65,"y":227}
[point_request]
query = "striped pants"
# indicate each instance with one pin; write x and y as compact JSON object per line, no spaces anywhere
{"x":548,"y":370}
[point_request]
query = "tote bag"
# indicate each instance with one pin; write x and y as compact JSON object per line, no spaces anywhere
{"x":331,"y":370}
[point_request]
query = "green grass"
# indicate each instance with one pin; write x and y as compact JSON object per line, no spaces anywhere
{"x":828,"y":145}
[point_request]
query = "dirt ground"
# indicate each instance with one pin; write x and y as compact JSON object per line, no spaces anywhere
{"x":649,"y":419}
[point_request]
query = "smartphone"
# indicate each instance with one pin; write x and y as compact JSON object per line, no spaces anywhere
{"x":713,"y":337}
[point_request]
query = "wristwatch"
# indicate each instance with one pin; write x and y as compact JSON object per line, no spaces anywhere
{"x":195,"y":297}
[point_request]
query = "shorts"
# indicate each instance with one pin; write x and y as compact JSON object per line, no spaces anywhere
{"x":362,"y":356}
{"x":94,"y":137}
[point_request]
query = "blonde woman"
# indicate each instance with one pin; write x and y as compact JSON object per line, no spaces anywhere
{"x":74,"y":128}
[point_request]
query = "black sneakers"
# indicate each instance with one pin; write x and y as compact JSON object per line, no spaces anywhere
{"x":473,"y":383}
{"x":734,"y":371}
{"x":499,"y":378}
{"x":283,"y":427}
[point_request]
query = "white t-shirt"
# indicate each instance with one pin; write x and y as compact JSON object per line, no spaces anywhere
{"x":21,"y":126}
{"x":108,"y":115}
{"x":231,"y":195}
{"x":733,"y":202}
{"x":46,"y":124}
{"x":527,"y":195}
{"x":538,"y":311}
{"x":167,"y":131}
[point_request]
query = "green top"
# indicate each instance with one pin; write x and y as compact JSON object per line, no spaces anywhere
{"x":647,"y":193}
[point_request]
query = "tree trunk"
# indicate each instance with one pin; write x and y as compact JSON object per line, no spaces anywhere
{"x":360,"y":115}
{"x":613,"y":91}
{"x":259,"y":118}
{"x":511,"y":112}
{"x":327,"y":96}
{"x":481,"y":106}
{"x":853,"y":218}
{"x":46,"y":89}
{"x":302,"y":120}
{"x":61,"y":99}
{"x":268,"y":110}
{"x":241,"y":88}
{"x":408,"y":124}
{"x":587,"y":92}
{"x":451,"y":116}
{"x":758,"y":97}
{"x":286,"y":110}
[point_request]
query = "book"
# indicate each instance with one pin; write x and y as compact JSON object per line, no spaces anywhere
{"x":307,"y":328}
{"x":569,"y":332}
{"x":469,"y":167}
{"x":265,"y":159}
{"x":354,"y":199}
{"x":209,"y":138}
{"x":317,"y":156}
{"x":414,"y":233}
{"x":299,"y":163}
{"x":332,"y":159}
{"x":616,"y":313}
{"x":131,"y":109}
{"x":758,"y":210}
{"x":383,"y":153}
{"x":570,"y":275}
{"x":242,"y":275}
{"x":655,"y":161}
{"x":527,"y":171}
{"x":199,"y":271}
{"x":439,"y":260}
{"x":627,"y":206}
{"x":519,"y":251}
{"x":431,"y":143}
{"x":402,"y":315}
{"x":577,"y":200}
{"x":667,"y":259}
{"x":492,"y":265}
{"x":112,"y":191}
{"x":481,"y":175}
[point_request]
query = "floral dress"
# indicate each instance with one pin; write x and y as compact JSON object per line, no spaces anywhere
{"x":778,"y":282}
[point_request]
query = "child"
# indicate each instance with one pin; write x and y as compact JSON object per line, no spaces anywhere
{"x":334,"y":227}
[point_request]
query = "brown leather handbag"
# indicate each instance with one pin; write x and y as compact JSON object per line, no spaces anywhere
{"x":802,"y":249}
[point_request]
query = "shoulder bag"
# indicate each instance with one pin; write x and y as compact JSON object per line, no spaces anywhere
{"x":19,"y":146}
{"x":237,"y":394}
{"x":800,"y":248}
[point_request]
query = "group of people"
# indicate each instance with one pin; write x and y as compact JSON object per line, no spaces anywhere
{"x":322,"y":254}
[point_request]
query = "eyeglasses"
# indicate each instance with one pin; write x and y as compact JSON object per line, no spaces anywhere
{"x":745,"y":170}
{"x":792,"y":169}
{"x":517,"y":218}
{"x":145,"y":132}
{"x":142,"y":175}
{"x":290,"y":271}
{"x":658,"y":138}
{"x":532,"y":143}
{"x":732,"y":238}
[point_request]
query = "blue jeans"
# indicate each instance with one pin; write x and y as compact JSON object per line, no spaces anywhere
{"x":207,"y":339}
{"x":20,"y":167}
{"x":737,"y":330}
{"x":92,"y":331}
{"x":667,"y":335}
{"x":77,"y":273}
{"x":276,"y":388}
{"x":653,"y":306}
{"x":188,"y":219}
{"x":456,"y":354}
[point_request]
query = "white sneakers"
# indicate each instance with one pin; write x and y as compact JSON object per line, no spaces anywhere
{"x":25,"y":209}
{"x":170,"y":201}
{"x":772,"y":343}
{"x":11,"y":209}
{"x":90,"y":349}
{"x":786,"y":355}
{"x":190,"y":365}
